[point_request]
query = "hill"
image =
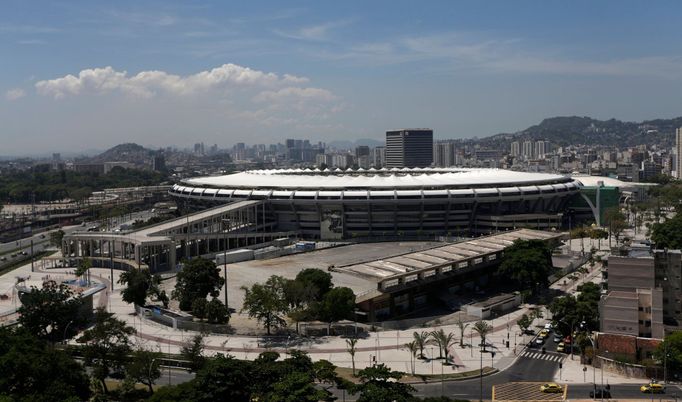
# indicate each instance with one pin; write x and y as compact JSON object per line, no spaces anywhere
{"x":575,"y":130}
{"x":128,"y":152}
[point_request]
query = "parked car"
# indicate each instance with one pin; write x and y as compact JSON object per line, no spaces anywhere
{"x":560,"y":347}
{"x":557,"y":338}
{"x":600,"y":393}
{"x":540,"y":340}
{"x":551,"y":387}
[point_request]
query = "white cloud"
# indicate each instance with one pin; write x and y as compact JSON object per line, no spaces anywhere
{"x":14,"y":94}
{"x":295,"y":93}
{"x":149,"y":83}
{"x":236,"y":94}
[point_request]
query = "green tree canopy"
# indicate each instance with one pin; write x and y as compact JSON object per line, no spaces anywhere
{"x":140,"y":284}
{"x":381,"y":384}
{"x":199,"y":278}
{"x":51,"y":312}
{"x":337,"y":304}
{"x":317,"y":278}
{"x":144,"y":367}
{"x":266,"y":302}
{"x":668,"y":234}
{"x":527,"y":263}
{"x":672,"y":345}
{"x":107,"y":345}
{"x":34,"y":371}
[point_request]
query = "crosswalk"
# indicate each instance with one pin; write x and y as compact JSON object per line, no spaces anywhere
{"x":540,"y":356}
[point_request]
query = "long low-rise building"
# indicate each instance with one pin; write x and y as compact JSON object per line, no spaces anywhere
{"x":405,"y":282}
{"x":336,"y":204}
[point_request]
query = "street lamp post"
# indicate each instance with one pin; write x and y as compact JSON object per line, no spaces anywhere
{"x":480,"y":376}
{"x":225,"y":263}
{"x":65,"y":329}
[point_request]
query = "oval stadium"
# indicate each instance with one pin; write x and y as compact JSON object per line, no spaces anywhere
{"x":336,"y":204}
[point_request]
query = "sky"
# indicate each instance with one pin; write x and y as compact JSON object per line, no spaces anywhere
{"x":82,"y":75}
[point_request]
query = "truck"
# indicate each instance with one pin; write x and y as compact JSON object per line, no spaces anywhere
{"x":234,"y":256}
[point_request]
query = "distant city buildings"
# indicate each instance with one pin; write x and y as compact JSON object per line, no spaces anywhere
{"x":409,"y":148}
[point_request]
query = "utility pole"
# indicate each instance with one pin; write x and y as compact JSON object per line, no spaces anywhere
{"x":480,"y":398}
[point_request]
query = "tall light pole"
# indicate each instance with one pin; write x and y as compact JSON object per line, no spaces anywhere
{"x":480,"y":376}
{"x":225,"y":262}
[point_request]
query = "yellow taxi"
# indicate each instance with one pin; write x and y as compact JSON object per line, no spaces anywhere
{"x":551,"y":387}
{"x":561,"y":347}
{"x":544,"y":334}
{"x":652,"y":388}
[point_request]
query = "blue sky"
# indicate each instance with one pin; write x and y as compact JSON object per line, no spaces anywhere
{"x":81,"y":75}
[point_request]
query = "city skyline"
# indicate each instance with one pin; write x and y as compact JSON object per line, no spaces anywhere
{"x":90,"y":77}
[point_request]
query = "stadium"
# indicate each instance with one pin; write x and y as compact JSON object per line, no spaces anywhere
{"x":337,"y":204}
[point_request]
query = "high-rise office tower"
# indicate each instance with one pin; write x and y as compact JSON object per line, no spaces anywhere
{"x":678,"y":157}
{"x":409,"y":148}
{"x":515,"y":148}
{"x":444,"y":154}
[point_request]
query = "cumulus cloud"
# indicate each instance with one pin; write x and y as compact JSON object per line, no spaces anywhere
{"x":14,"y":94}
{"x":150,"y":83}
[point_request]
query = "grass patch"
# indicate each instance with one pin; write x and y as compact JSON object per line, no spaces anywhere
{"x":347,"y":374}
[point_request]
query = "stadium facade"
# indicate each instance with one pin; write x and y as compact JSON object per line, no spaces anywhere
{"x":336,"y":204}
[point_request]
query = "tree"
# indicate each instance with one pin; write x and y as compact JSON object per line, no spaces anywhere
{"x":193,"y":352}
{"x":527,"y":263}
{"x":462,"y":327}
{"x":482,"y":328}
{"x":56,"y":238}
{"x":198,"y":279}
{"x":444,"y":342}
{"x":107,"y":345}
{"x":320,"y":280}
{"x":199,"y":308}
{"x":266,"y":302}
{"x":668,"y":234}
{"x":34,"y":371}
{"x":421,"y":339}
{"x":140,"y":284}
{"x":524,"y":322}
{"x":350,"y":348}
{"x":225,"y":378}
{"x":217,"y":312}
{"x":413,"y":348}
{"x":615,"y":222}
{"x":84,"y":269}
{"x":337,"y":304}
{"x":144,"y":367}
{"x":297,"y":386}
{"x":52,"y":312}
{"x":380,"y":384}
{"x":325,"y":372}
{"x":672,"y":346}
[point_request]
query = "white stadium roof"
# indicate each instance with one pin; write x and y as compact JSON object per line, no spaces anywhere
{"x":379,"y":179}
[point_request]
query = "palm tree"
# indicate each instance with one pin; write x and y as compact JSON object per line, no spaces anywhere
{"x":350,"y":348}
{"x":413,"y":347}
{"x":462,"y":326}
{"x":482,"y":328}
{"x":448,"y":342}
{"x":438,"y":338}
{"x":421,"y":339}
